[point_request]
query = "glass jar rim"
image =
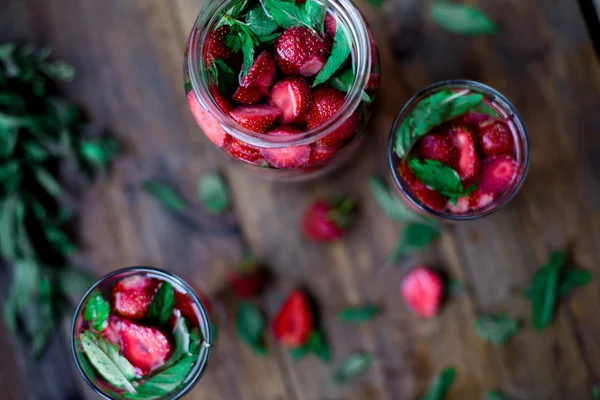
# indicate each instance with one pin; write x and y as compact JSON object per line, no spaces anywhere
{"x":206,"y":326}
{"x":505,"y":104}
{"x":195,"y":63}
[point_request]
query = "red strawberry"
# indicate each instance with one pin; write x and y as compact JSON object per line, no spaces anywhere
{"x":257,"y":118}
{"x":497,"y":174}
{"x":248,"y":95}
{"x":112,"y":331}
{"x":326,"y":104}
{"x":132,"y":296}
{"x":286,"y":157}
{"x":429,"y":197}
{"x":480,"y":199}
{"x":495,"y":138}
{"x":461,"y":206}
{"x":423,"y":290}
{"x":321,"y":152}
{"x":469,"y":164}
{"x":294,"y":322}
{"x":188,"y":309}
{"x":438,"y":146}
{"x":472,"y":119}
{"x":222,"y":101}
{"x":300,"y":51}
{"x":330,"y":25}
{"x":325,"y":221}
{"x":207,"y":122}
{"x":243,"y":151}
{"x":247,"y":280}
{"x":146,"y":348}
{"x":292,"y":96}
{"x":373,"y":82}
{"x":215,"y":46}
{"x":259,"y":79}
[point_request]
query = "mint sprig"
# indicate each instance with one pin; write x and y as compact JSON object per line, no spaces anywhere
{"x":97,"y":311}
{"x":162,"y":305}
{"x":440,"y":177}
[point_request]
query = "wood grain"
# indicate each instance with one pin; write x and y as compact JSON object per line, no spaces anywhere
{"x":129,"y":53}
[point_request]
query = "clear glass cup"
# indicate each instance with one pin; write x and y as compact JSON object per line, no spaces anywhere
{"x":365,"y":58}
{"x":104,"y":285}
{"x":512,"y":118}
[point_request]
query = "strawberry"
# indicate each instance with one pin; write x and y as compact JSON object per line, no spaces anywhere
{"x":461,"y":206}
{"x":301,"y":52}
{"x":495,"y":138}
{"x":477,"y":200}
{"x":207,"y":122}
{"x":248,"y":94}
{"x":469,"y":164}
{"x":145,"y":347}
{"x":373,"y":82}
{"x":243,"y":151}
{"x":215,"y":46}
{"x":497,"y":174}
{"x":222,"y":101}
{"x":292,"y":96}
{"x":438,"y":146}
{"x":427,"y":196}
{"x":256,"y":118}
{"x":286,"y":157}
{"x":112,"y":331}
{"x":259,"y":79}
{"x":132,"y":296}
{"x":321,"y":152}
{"x":294,"y":322}
{"x":247,"y":280}
{"x":423,"y":290}
{"x":188,"y":309}
{"x":326,"y":221}
{"x":326,"y":104}
{"x":472,"y":119}
{"x":330,"y":25}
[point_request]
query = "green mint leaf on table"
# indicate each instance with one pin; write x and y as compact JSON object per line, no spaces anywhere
{"x":107,"y":360}
{"x":299,"y":352}
{"x":496,"y":329}
{"x":286,"y":14}
{"x":596,"y":392}
{"x":573,"y":278}
{"x":352,"y":366}
{"x":359,"y":314}
{"x":251,"y":325}
{"x":416,"y":236}
{"x":317,"y":344}
{"x":166,"y":195}
{"x":97,"y":311}
{"x":214,"y":193}
{"x":315,"y":15}
{"x":391,"y":205}
{"x":495,"y":395}
{"x":165,"y":381}
{"x":376,"y":3}
{"x":545,"y":290}
{"x":344,"y":82}
{"x":462,"y":19}
{"x":162,"y":305}
{"x":260,"y":23}
{"x":440,"y":385}
{"x":485,"y":108}
{"x":339,"y":54}
{"x":454,"y":286}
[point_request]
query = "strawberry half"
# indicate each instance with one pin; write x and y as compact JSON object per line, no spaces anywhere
{"x":326,"y":221}
{"x":188,"y":309}
{"x":497,"y":174}
{"x":286,"y":157}
{"x":438,"y":146}
{"x":215,"y":46}
{"x":423,"y":290}
{"x":427,"y":196}
{"x":243,"y":151}
{"x":469,"y":164}
{"x":145,"y":347}
{"x":256,"y":118}
{"x":495,"y":138}
{"x":132,"y":296}
{"x":259,"y":79}
{"x":293,"y":324}
{"x":326,"y":104}
{"x":321,"y":152}
{"x":292,"y":96}
{"x":207,"y":122}
{"x":300,"y":52}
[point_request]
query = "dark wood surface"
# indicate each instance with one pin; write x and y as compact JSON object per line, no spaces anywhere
{"x":129,"y":55}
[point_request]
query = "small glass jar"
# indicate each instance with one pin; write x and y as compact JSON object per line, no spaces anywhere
{"x":202,"y":309}
{"x":508,"y":114}
{"x":208,"y":114}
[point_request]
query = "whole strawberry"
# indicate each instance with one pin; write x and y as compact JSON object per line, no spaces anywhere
{"x":293,"y":324}
{"x":215,"y":46}
{"x":300,"y":51}
{"x":327,"y":102}
{"x":326,"y":221}
{"x":248,"y":280}
{"x":423,"y":290}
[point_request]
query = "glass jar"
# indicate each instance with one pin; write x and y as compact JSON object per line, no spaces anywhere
{"x":238,"y":141}
{"x":198,"y":305}
{"x":506,"y":113}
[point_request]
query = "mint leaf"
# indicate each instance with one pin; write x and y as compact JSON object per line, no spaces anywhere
{"x":339,"y":54}
{"x":107,"y":360}
{"x":182,"y":337}
{"x":315,"y":15}
{"x":260,"y":23}
{"x":496,"y":329}
{"x":318,"y":344}
{"x":164,"y":382}
{"x":97,"y":311}
{"x":437,"y":176}
{"x":165,"y":194}
{"x":545,"y":290}
{"x":495,"y":395}
{"x":462,"y":19}
{"x":270,"y":39}
{"x":162,"y":305}
{"x":376,"y":3}
{"x":214,"y":193}
{"x":573,"y":278}
{"x":286,"y":14}
{"x":416,"y":236}
{"x":359,"y":314}
{"x":596,"y":392}
{"x":439,"y":386}
{"x":344,"y":82}
{"x":251,"y":325}
{"x":390,"y":204}
{"x":352,"y":366}
{"x":48,"y":182}
{"x":485,"y":108}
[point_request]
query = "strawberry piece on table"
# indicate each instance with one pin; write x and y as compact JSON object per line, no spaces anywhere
{"x":207,"y":122}
{"x":301,"y":52}
{"x":145,"y":347}
{"x":215,"y":46}
{"x":438,"y":146}
{"x":188,"y":309}
{"x":256,"y":118}
{"x":243,"y":151}
{"x":248,"y":279}
{"x":427,"y":196}
{"x":286,"y":157}
{"x":495,"y":139}
{"x":497,"y":174}
{"x":326,"y":221}
{"x":293,"y":324}
{"x":326,"y":104}
{"x":259,"y":79}
{"x":469,"y":164}
{"x":321,"y":152}
{"x":423,"y":290}
{"x":222,"y":101}
{"x":132,"y":296}
{"x":292,"y":96}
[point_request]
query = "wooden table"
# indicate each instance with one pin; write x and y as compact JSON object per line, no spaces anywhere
{"x":129,"y":55}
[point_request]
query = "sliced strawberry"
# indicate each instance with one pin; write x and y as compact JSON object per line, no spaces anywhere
{"x":145,"y":347}
{"x":423,"y":290}
{"x":243,"y":151}
{"x":301,"y":52}
{"x":188,"y":309}
{"x":132,"y":296}
{"x":480,"y":199}
{"x":215,"y":46}
{"x":286,"y":157}
{"x":294,"y":322}
{"x":461,"y":206}
{"x":330,"y":25}
{"x":326,"y":221}
{"x":257,"y":118}
{"x":292,"y":96}
{"x":222,"y":101}
{"x":438,"y":146}
{"x":113,"y":331}
{"x":495,"y":138}
{"x":321,"y":152}
{"x":497,"y":174}
{"x":259,"y":79}
{"x":207,"y":122}
{"x":469,"y":164}
{"x":326,"y":104}
{"x":248,"y":94}
{"x":427,"y":196}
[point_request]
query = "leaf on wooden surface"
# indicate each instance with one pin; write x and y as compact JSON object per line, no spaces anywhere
{"x":391,"y":205}
{"x":440,"y":385}
{"x":462,"y":19}
{"x":165,"y":194}
{"x":251,"y":325}
{"x":352,"y":366}
{"x":359,"y":314}
{"x":496,"y":329}
{"x":214,"y":193}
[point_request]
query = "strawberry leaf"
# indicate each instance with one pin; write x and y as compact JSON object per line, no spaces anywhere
{"x":339,"y":54}
{"x":260,"y":23}
{"x":318,"y":344}
{"x":165,"y":194}
{"x":352,"y":366}
{"x":496,"y":329}
{"x":214,"y":193}
{"x":251,"y":325}
{"x":440,"y":385}
{"x":163,"y":304}
{"x":359,"y":314}
{"x":97,"y":311}
{"x":462,"y":19}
